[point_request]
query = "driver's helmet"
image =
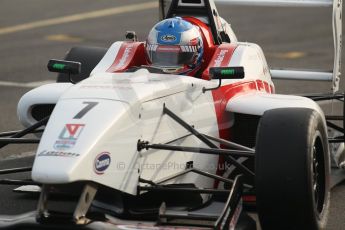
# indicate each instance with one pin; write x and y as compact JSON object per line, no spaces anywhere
{"x":175,"y":46}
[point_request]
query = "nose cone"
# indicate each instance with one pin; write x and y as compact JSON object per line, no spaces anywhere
{"x":86,"y":148}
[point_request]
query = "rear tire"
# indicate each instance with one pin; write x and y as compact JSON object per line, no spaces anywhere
{"x":292,"y":170}
{"x":89,"y":57}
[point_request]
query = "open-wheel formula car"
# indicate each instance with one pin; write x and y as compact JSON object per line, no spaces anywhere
{"x":135,"y":147}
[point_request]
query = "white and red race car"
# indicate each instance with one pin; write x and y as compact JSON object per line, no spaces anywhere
{"x":138,"y":146}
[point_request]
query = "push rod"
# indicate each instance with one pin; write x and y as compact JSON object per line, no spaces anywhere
{"x":222,"y":152}
{"x":189,"y":128}
{"x":334,"y":126}
{"x":229,"y":143}
{"x":6,"y":141}
{"x":191,"y":190}
{"x":325,"y":98}
{"x":26,"y":131}
{"x":336,"y":140}
{"x":11,"y":133}
{"x":194,"y":170}
{"x":334,"y":118}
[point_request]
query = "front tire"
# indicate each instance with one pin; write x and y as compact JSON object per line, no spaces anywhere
{"x":292,"y":168}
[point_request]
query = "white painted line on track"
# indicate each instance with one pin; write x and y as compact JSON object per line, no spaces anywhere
{"x":25,"y":85}
{"x":79,"y":17}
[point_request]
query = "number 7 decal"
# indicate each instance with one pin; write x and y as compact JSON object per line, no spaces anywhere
{"x":84,"y":111}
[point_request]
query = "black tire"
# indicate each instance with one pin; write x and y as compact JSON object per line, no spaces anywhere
{"x":89,"y":57}
{"x":292,"y":168}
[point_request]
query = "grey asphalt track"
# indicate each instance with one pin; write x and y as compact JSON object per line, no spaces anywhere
{"x":294,"y":38}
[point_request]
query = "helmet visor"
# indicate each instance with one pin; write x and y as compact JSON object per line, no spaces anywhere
{"x":172,"y":55}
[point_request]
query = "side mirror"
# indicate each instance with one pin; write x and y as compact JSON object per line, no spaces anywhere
{"x":68,"y":67}
{"x":227,"y":72}
{"x":224,"y":73}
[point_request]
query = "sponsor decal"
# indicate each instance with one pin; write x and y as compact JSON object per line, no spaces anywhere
{"x":260,"y":85}
{"x":124,"y":58}
{"x":47,"y":153}
{"x":220,"y":58}
{"x":102,"y":162}
{"x":168,"y":38}
{"x":69,"y":136}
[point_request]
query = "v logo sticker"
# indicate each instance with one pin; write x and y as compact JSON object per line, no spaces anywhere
{"x":73,"y":129}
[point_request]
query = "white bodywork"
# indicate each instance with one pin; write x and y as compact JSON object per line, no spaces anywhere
{"x":51,"y":92}
{"x":129,"y":108}
{"x":258,"y":103}
{"x":101,"y":144}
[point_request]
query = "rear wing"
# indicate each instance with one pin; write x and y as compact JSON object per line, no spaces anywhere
{"x":165,"y":7}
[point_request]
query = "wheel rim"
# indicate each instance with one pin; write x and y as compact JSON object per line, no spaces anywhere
{"x":318,"y":175}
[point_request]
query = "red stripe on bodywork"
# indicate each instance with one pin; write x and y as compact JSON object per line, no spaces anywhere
{"x":221,"y":98}
{"x":207,"y":39}
{"x":272,"y":89}
{"x":130,"y":54}
{"x":267,"y":87}
{"x":221,"y":58}
{"x":260,"y":85}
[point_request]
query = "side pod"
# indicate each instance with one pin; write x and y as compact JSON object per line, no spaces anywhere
{"x":41,"y":96}
{"x":258,"y":103}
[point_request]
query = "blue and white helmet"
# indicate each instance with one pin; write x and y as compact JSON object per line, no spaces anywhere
{"x":175,"y":43}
